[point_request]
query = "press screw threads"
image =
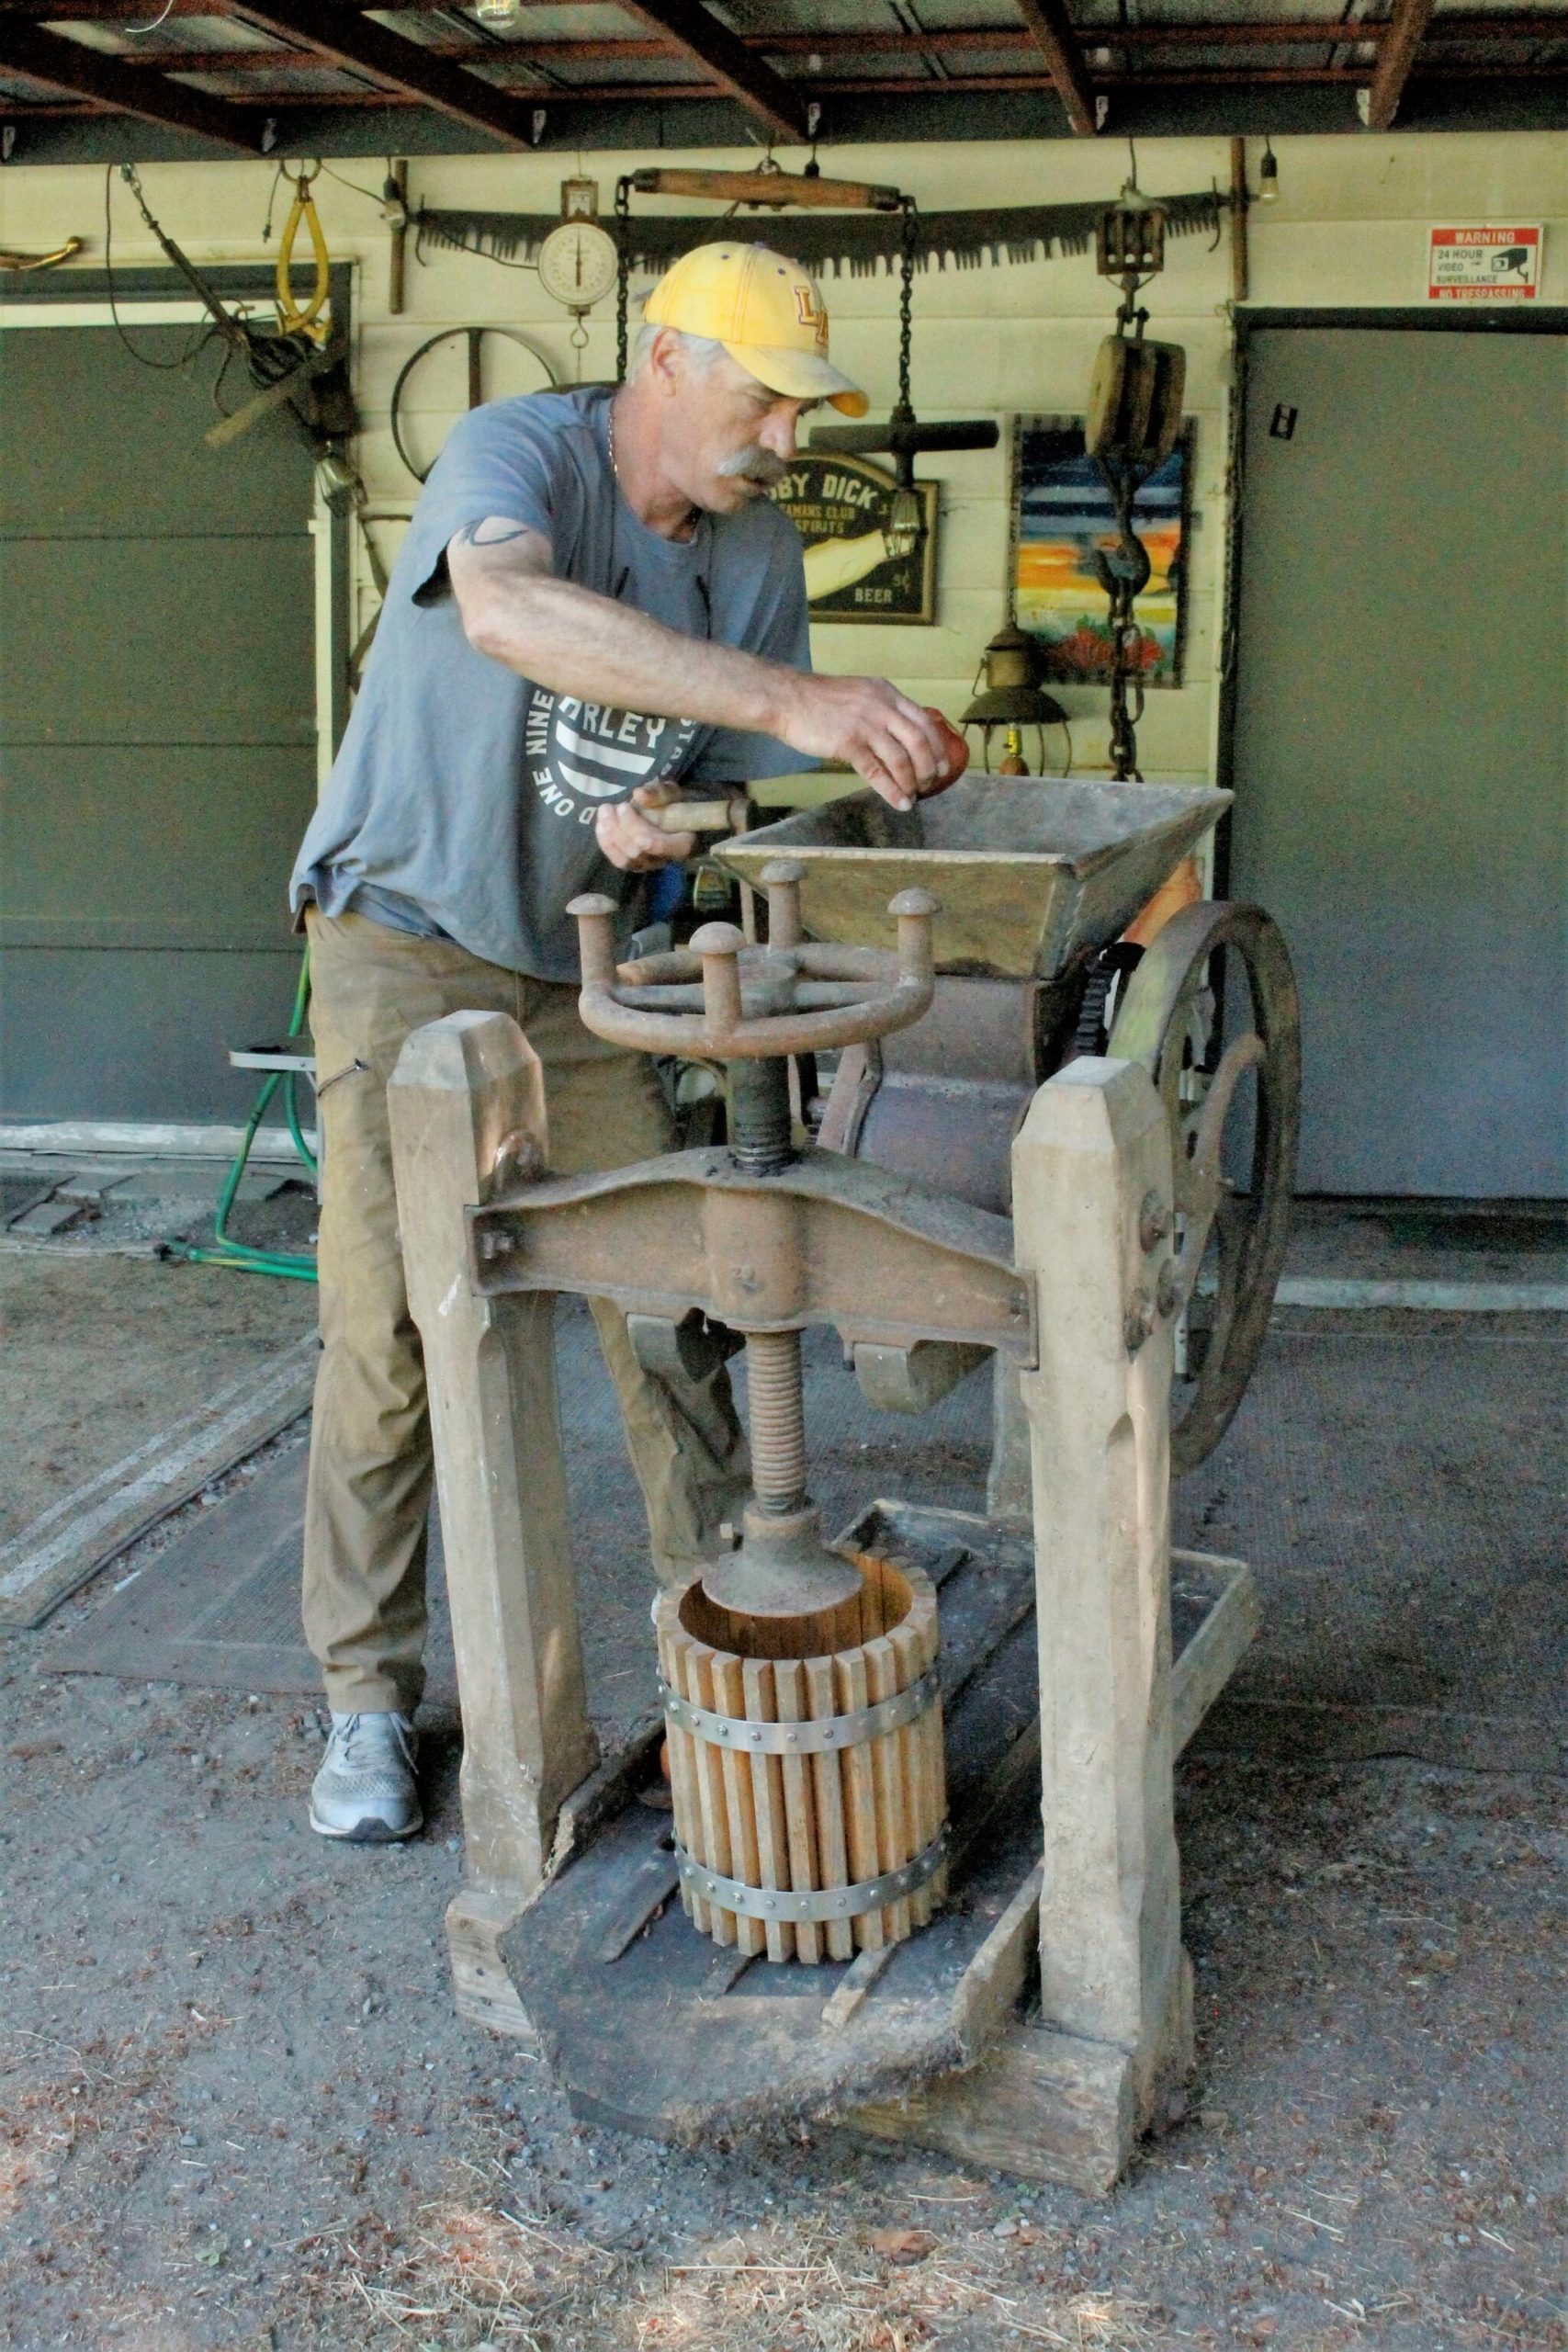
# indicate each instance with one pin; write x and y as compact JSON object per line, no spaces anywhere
{"x":778,"y":1420}
{"x":760,"y":1134}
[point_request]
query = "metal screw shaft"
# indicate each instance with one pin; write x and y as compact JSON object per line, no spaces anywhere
{"x":777,"y":1417}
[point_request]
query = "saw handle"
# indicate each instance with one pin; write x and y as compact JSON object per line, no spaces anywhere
{"x":774,"y":190}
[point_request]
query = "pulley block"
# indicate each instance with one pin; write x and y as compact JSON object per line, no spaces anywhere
{"x":1135,"y":400}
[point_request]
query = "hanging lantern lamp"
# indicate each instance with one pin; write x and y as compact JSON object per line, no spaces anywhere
{"x":1013,"y":699}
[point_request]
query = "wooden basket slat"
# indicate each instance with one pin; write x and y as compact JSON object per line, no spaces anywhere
{"x":828,"y":1818}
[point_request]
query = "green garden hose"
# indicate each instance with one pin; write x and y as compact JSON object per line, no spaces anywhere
{"x":293,"y":1265}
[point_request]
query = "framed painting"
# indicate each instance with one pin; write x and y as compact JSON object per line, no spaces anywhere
{"x":1061,"y":513}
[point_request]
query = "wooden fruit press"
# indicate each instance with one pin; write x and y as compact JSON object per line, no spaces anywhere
{"x":922,"y":1871}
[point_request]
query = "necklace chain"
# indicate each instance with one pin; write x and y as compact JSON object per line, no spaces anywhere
{"x":694,"y":515}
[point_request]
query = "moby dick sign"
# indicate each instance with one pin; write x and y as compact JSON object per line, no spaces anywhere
{"x":857,"y":567}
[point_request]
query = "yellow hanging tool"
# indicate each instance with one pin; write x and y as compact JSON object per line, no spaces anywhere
{"x":290,"y":318}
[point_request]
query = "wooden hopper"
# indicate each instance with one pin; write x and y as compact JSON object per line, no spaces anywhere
{"x":1032,"y":873}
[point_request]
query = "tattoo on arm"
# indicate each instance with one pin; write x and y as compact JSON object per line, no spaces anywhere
{"x":491,"y":533}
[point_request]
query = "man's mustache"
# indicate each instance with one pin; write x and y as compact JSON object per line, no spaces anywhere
{"x":756,"y":464}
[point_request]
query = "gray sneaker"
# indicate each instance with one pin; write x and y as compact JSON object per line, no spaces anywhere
{"x":365,"y":1788}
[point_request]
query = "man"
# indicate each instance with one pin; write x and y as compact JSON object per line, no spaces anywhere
{"x":595,"y":600}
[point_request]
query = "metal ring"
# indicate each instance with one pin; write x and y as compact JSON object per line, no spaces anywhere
{"x":510,"y":335}
{"x":824,"y":1902}
{"x":818,"y":1738}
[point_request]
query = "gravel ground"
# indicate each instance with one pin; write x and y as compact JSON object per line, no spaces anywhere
{"x":236,"y":2108}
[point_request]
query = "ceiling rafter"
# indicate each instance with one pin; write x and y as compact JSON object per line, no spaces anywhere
{"x":501,"y":87}
{"x":780,"y":109}
{"x":1058,"y":40}
{"x":599,"y":93}
{"x":64,"y":64}
{"x":1396,"y":55}
{"x":357,"y":43}
{"x":518,"y":58}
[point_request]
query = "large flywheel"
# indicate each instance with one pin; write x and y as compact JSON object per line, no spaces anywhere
{"x":1213,"y":1015}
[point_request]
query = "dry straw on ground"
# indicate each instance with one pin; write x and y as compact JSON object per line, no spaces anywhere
{"x":489,"y":2273}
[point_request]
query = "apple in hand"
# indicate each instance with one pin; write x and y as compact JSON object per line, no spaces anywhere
{"x":957,"y":754}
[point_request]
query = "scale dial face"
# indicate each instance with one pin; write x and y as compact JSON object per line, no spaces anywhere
{"x":578,"y":264}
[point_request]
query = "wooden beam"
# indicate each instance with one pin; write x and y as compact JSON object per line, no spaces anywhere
{"x":62,"y":64}
{"x":1054,"y":36}
{"x":779,"y":109}
{"x":263,"y":101}
{"x":1396,"y":54}
{"x":1515,"y":26}
{"x":513,"y":61}
{"x":1241,"y":202}
{"x":349,"y":39}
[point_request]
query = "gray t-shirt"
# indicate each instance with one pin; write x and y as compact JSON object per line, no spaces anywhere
{"x":463,"y":797}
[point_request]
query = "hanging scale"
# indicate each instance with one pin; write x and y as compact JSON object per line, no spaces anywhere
{"x":580,"y":261}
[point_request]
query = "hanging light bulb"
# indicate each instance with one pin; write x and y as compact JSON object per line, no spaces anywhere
{"x":497,"y":13}
{"x":1268,"y":176}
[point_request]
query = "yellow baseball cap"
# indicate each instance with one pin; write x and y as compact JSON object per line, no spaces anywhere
{"x":767,"y":313}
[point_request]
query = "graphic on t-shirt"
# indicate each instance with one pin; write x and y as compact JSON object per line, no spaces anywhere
{"x":581,"y":756}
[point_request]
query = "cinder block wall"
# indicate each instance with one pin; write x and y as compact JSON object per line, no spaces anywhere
{"x":1350,"y":228}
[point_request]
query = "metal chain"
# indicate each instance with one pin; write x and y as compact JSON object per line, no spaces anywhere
{"x":908,"y":234}
{"x":1125,"y":571}
{"x":1123,"y":574}
{"x":623,"y":271}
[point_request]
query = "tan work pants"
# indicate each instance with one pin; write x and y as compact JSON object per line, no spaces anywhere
{"x":370,"y":1446}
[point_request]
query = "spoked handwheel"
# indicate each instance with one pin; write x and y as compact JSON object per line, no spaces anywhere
{"x":1216,"y":965}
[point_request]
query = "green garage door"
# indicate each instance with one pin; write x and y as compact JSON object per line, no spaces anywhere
{"x":1400,"y":737}
{"x":158,"y":740}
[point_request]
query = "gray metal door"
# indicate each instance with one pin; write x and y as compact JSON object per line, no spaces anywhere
{"x":157,"y":729}
{"x":1401,"y":746}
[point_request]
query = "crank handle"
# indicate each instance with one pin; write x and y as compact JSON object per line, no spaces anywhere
{"x":698,"y":816}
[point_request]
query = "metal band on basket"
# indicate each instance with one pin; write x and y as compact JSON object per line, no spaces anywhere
{"x":804,"y":1738}
{"x":822,"y":1902}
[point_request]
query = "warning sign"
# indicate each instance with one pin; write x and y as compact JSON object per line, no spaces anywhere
{"x":1483,"y":264}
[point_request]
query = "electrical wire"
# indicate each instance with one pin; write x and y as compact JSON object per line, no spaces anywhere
{"x":163,"y":367}
{"x":371,"y":195}
{"x":271,"y":200}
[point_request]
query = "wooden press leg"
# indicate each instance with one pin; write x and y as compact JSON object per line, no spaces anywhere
{"x":460,"y":1086}
{"x":1092,"y":1169}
